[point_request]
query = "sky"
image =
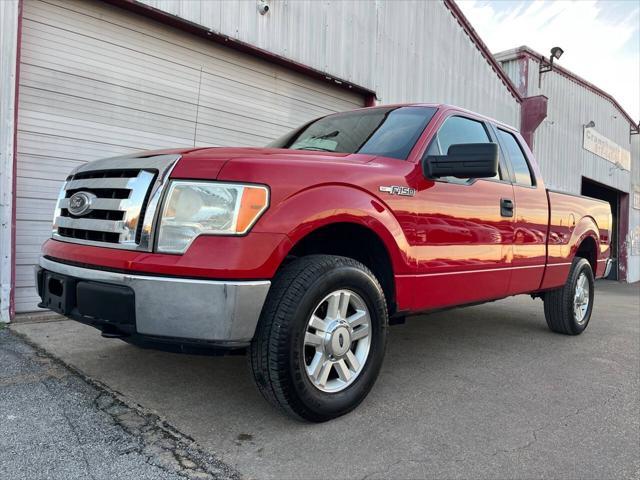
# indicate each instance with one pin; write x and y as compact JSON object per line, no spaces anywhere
{"x":600,"y":38}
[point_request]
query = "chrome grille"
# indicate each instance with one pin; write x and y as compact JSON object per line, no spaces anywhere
{"x":124,"y":194}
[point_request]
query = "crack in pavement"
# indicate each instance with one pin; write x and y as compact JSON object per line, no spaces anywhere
{"x":162,"y":445}
{"x":158,"y":443}
{"x":578,"y":411}
{"x":75,"y":432}
{"x":534,"y":433}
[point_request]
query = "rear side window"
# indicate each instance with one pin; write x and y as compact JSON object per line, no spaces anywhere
{"x":518,"y":160}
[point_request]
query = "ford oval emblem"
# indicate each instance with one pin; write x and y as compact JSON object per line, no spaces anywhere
{"x":80,"y":203}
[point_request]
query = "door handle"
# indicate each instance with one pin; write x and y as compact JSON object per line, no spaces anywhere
{"x":506,"y":207}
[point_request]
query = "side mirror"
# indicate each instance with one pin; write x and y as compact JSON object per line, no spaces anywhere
{"x":464,"y":160}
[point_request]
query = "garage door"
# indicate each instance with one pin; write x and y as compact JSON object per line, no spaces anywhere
{"x":98,"y":81}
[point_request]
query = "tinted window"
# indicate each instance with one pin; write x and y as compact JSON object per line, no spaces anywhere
{"x":389,"y":132}
{"x":518,"y":160}
{"x":456,"y":130}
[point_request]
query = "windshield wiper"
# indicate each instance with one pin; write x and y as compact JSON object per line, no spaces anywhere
{"x":327,"y":135}
{"x":316,"y":149}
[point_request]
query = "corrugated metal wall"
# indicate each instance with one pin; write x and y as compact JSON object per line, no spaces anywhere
{"x":559,"y":138}
{"x":405,"y":50}
{"x":8,"y":53}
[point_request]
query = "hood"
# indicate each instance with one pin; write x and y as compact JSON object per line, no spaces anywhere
{"x":208,"y":162}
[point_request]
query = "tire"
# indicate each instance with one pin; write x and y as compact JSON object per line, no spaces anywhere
{"x":562,"y":314}
{"x":291,"y":357}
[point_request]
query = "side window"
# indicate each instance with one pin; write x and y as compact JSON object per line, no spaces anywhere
{"x":518,"y":160}
{"x":456,"y":130}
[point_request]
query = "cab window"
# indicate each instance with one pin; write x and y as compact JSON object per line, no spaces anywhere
{"x":457,"y":130}
{"x":521,"y":168}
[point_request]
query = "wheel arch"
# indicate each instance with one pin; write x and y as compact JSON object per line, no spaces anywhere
{"x":353,"y":240}
{"x":588,"y":249}
{"x":354,"y":217}
{"x":585,"y":241}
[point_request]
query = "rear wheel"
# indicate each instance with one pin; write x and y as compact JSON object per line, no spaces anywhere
{"x":568,"y":309}
{"x":321,"y":337}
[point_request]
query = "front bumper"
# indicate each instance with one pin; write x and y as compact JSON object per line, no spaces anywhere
{"x":223,"y":313}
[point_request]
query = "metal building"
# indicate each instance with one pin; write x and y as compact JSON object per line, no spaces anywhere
{"x":586,"y":144}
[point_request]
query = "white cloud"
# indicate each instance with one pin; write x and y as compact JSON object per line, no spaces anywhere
{"x":599,"y":45}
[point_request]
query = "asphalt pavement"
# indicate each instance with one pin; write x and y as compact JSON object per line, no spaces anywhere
{"x":55,"y":424}
{"x":478,"y":392}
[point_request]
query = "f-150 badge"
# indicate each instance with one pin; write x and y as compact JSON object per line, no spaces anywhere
{"x":398,"y":190}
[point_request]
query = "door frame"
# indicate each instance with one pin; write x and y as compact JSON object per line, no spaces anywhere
{"x":622,"y":224}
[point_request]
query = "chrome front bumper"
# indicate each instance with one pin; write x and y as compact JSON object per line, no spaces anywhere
{"x":202,"y":310}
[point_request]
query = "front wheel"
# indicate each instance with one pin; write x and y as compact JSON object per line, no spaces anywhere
{"x":568,"y":309}
{"x":321,"y":337}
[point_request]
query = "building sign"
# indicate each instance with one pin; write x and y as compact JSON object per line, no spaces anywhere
{"x":605,"y":148}
{"x":636,"y":199}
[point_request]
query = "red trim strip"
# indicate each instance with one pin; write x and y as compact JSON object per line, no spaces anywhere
{"x":484,"y":50}
{"x":12,"y":291}
{"x":480,"y":270}
{"x":201,"y":31}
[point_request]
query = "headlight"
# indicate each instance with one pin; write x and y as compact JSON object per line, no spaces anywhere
{"x":197,"y":208}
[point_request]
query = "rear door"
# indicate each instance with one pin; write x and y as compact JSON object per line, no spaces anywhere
{"x":531,"y":217}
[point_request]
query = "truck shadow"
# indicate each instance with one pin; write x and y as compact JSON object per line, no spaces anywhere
{"x":422,"y":351}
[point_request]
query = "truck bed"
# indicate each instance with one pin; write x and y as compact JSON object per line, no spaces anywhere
{"x":570,"y":219}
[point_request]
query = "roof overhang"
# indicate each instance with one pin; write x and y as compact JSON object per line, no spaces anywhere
{"x":204,"y":32}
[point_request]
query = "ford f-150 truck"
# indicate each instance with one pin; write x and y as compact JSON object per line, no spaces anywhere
{"x":303,"y":252}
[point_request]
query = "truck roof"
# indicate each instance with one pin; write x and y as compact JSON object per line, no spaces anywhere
{"x":445,"y":106}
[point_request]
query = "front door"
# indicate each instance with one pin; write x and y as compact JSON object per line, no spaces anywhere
{"x":463,"y":241}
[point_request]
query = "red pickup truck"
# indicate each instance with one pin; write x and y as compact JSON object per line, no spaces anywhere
{"x":303,"y":252}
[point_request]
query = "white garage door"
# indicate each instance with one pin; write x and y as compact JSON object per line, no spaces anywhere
{"x":98,"y":81}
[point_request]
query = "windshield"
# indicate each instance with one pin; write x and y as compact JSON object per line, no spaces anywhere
{"x":389,"y":132}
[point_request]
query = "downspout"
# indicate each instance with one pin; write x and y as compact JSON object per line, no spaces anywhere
{"x":12,"y":302}
{"x":533,"y":111}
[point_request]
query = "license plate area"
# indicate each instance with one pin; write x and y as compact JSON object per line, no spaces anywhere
{"x":59,"y":293}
